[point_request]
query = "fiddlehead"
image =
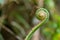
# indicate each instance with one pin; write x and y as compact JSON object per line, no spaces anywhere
{"x":43,"y":15}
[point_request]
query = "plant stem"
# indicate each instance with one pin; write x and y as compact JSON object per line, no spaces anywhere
{"x":44,"y":16}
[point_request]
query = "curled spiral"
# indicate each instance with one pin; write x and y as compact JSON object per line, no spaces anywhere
{"x":43,"y":15}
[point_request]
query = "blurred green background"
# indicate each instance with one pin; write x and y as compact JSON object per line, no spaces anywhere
{"x":17,"y":18}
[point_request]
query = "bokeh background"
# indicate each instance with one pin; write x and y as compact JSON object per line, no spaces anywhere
{"x":17,"y":18}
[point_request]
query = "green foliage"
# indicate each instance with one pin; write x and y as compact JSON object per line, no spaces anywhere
{"x":16,"y":19}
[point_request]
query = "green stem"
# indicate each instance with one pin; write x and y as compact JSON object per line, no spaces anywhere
{"x":42,"y":14}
